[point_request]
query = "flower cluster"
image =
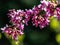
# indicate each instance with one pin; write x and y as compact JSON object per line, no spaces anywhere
{"x":42,"y":12}
{"x":58,"y":13}
{"x":40,"y":16}
{"x":12,"y":31}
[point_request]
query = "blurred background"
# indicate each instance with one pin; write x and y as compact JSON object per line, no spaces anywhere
{"x":49,"y":35}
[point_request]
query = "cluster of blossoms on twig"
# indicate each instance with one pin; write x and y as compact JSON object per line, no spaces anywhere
{"x":39,"y":16}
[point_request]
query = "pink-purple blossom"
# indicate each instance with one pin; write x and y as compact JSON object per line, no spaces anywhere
{"x":58,"y":13}
{"x":12,"y":31}
{"x":39,"y":16}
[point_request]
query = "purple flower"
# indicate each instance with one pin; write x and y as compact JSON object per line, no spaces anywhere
{"x":12,"y":31}
{"x":38,"y":14}
{"x":40,"y":21}
{"x":57,"y":13}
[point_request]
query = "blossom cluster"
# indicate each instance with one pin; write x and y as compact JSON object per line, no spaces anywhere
{"x":39,"y":16}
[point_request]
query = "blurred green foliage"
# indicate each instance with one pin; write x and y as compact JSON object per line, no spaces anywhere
{"x":58,"y":37}
{"x":0,"y":36}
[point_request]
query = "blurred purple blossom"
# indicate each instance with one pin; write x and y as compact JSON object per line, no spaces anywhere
{"x":38,"y":14}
